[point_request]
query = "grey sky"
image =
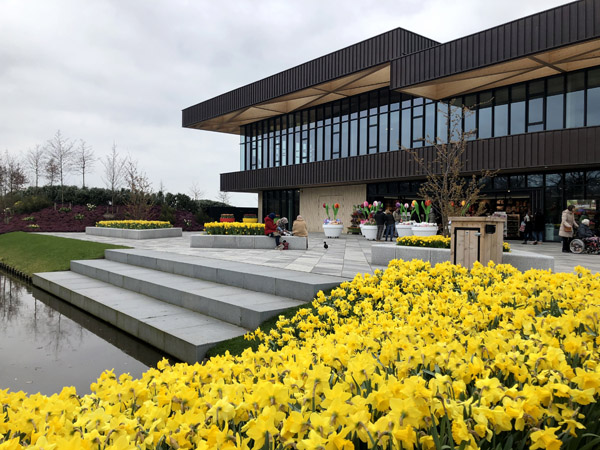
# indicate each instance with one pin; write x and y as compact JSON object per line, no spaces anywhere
{"x":122,"y":70}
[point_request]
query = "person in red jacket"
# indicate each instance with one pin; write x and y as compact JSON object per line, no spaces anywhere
{"x":271,"y":228}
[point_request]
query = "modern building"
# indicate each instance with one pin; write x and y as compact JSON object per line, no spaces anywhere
{"x":335,"y":129}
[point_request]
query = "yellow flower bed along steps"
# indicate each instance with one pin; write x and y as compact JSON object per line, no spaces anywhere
{"x":411,"y":358}
{"x":433,"y":242}
{"x":134,"y":224}
{"x":234,"y":228}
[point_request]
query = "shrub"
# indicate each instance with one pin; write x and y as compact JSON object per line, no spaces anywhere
{"x":28,"y":205}
{"x":64,"y":209}
{"x":167,"y":214}
{"x":79,"y":217}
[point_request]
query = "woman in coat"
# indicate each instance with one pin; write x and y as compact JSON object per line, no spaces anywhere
{"x":271,"y":228}
{"x":299,"y":227}
{"x":567,"y":227}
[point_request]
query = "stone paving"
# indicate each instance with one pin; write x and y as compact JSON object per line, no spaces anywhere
{"x":346,"y":256}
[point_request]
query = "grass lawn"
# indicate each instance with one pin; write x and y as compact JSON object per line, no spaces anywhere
{"x":31,"y":253}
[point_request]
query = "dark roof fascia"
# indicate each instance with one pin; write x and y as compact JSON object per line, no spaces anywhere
{"x":354,"y":58}
{"x":557,"y":27}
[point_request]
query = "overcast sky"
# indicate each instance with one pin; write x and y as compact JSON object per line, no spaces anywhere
{"x":122,"y":70}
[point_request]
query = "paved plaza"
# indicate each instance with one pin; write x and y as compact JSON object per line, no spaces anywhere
{"x":346,"y":256}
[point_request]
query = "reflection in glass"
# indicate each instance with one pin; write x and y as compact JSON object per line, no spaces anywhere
{"x":535,"y":180}
{"x":575,"y":100}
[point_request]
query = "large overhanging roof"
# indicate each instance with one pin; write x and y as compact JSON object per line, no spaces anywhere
{"x":363,"y":81}
{"x":545,"y":64}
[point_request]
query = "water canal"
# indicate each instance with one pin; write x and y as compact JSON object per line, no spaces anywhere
{"x":46,"y":344}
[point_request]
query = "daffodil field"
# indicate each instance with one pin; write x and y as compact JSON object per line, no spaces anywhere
{"x":134,"y":224}
{"x":234,"y":228}
{"x":411,"y":358}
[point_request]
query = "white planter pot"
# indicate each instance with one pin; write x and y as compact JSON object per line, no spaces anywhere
{"x":333,"y":231}
{"x":422,"y":231}
{"x":403,"y":230}
{"x":369,"y":232}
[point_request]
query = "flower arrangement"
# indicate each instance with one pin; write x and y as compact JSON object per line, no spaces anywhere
{"x":234,"y":228}
{"x":425,"y":206}
{"x":335,"y":207}
{"x":405,"y":215}
{"x":134,"y":224}
{"x":227,"y":218}
{"x":249,"y":216}
{"x":425,"y":241}
{"x":414,"y":357}
{"x":505,"y":247}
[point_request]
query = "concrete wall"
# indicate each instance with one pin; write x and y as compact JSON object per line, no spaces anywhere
{"x":312,"y":199}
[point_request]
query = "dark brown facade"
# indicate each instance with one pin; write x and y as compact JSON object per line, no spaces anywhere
{"x":572,"y":148}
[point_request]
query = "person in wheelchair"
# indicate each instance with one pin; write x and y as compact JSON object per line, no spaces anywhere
{"x":587,"y":236}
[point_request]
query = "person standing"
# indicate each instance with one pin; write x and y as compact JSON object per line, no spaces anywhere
{"x":567,"y":226}
{"x":390,"y":226}
{"x":380,"y":222}
{"x":528,"y":227}
{"x":538,"y":227}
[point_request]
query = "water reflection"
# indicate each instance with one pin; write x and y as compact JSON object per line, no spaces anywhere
{"x":46,"y":344}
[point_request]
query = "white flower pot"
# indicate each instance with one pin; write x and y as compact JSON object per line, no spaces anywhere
{"x":333,"y":231}
{"x":403,"y":229}
{"x":429,"y":230}
{"x":369,"y":232}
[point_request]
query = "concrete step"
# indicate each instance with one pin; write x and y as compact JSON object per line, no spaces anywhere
{"x":232,"y":304}
{"x":185,"y":334}
{"x":270,"y":280}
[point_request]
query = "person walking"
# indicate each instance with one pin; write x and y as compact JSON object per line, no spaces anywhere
{"x":390,"y":226}
{"x":538,"y":227}
{"x":567,"y":226}
{"x":528,"y":227}
{"x":380,"y":222}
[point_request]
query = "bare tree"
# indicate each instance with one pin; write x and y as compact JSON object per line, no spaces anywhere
{"x":451,"y":193}
{"x":60,"y":149}
{"x":35,"y":159}
{"x":50,"y":171}
{"x":195,"y":191}
{"x":113,"y":172}
{"x":83,"y":160}
{"x":12,"y":174}
{"x":140,"y":190}
{"x":223,"y":197}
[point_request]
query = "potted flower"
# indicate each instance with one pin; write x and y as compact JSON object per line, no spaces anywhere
{"x":368,"y":227}
{"x":332,"y":227}
{"x":404,"y":227}
{"x":227,"y":218}
{"x":250,"y":218}
{"x":355,"y":219}
{"x":424,"y":228}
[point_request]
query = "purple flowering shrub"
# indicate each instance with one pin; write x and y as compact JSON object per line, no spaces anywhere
{"x":52,"y":219}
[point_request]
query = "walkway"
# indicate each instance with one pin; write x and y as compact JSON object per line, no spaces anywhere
{"x":346,"y":256}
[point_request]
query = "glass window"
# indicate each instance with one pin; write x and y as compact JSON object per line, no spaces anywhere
{"x":455,"y":119}
{"x":593,"y":98}
{"x":406,"y":124}
{"x":553,"y":180}
{"x":517,"y":109}
{"x":501,"y":183}
{"x":518,"y":181}
{"x":430,"y":123}
{"x":319,"y":144}
{"x":417,"y":131}
{"x":383,"y":133}
{"x":297,"y":151}
{"x":484,"y":126}
{"x":575,"y":100}
{"x":373,"y":131}
{"x":311,"y":141}
{"x":593,"y":183}
{"x":363,"y":135}
{"x":501,"y":112}
{"x":335,"y":146}
{"x":353,"y":137}
{"x":327,"y":143}
{"x":394,"y":130}
{"x":344,"y":143}
{"x":535,"y":180}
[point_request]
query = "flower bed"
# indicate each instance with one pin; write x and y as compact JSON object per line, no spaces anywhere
{"x":433,"y":242}
{"x":234,"y":228}
{"x":134,"y":224}
{"x":414,"y":357}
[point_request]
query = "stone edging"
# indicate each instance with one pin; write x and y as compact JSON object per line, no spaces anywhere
{"x":124,"y":233}
{"x":382,"y":254}
{"x":245,"y":242}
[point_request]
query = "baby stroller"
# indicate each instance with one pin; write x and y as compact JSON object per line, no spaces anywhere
{"x":585,"y":245}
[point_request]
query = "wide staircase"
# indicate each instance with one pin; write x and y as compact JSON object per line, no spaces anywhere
{"x":181,"y":304}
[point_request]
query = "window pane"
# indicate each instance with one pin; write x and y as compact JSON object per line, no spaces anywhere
{"x":485,"y":123}
{"x":297,"y":144}
{"x":535,"y":180}
{"x":517,"y":118}
{"x":362,"y":148}
{"x":383,"y":132}
{"x":406,"y":123}
{"x":344,"y":139}
{"x":353,"y":138}
{"x":536,"y":110}
{"x":575,"y":100}
{"x":554,"y":112}
{"x":395,"y":130}
{"x":470,"y":125}
{"x":501,"y":120}
{"x":319,"y":144}
{"x":442,"y":122}
{"x":373,"y":131}
{"x":417,"y":132}
{"x":430,"y":123}
{"x":593,"y":98}
{"x":312,"y":154}
{"x":327,"y":143}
